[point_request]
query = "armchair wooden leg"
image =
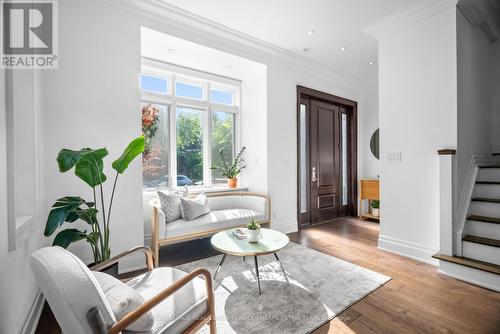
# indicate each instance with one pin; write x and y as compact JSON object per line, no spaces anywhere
{"x":211,"y":324}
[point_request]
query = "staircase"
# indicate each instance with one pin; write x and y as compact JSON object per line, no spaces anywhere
{"x":480,"y":260}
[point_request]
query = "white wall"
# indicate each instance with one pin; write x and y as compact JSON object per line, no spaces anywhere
{"x":93,"y":100}
{"x":495,"y":95}
{"x":474,"y":96}
{"x":417,"y":108}
{"x":369,"y":166}
{"x":17,"y":285}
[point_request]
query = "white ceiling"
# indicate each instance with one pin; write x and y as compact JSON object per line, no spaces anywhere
{"x":285,"y":23}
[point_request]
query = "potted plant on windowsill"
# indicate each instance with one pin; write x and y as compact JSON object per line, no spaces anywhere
{"x":253,"y":231}
{"x":230,"y":169}
{"x":89,"y":167}
{"x":375,"y":206}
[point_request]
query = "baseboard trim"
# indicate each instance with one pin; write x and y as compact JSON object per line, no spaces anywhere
{"x":483,"y":279}
{"x":408,"y":249}
{"x":34,"y":313}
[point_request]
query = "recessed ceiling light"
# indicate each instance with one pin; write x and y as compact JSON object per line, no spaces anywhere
{"x":343,"y":48}
{"x":171,"y":51}
{"x":305,"y":49}
{"x":370,"y":63}
{"x":310,"y":32}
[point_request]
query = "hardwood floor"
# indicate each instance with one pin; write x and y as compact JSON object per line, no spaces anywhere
{"x":417,"y":300}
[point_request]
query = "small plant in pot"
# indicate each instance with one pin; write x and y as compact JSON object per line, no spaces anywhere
{"x":253,"y":231}
{"x":88,"y":165}
{"x":230,"y":168}
{"x":375,"y":205}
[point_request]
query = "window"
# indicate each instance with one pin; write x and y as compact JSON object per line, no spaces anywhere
{"x":222,"y":132}
{"x":154,"y":84}
{"x":189,"y":119}
{"x":155,"y":157}
{"x":189,"y":146}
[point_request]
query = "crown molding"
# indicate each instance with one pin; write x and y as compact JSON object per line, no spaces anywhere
{"x":192,"y":27}
{"x":405,"y":18}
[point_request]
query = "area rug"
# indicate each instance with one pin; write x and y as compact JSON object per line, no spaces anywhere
{"x":319,"y":287}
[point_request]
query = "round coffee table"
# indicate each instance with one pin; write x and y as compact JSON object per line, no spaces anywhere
{"x":271,"y":242}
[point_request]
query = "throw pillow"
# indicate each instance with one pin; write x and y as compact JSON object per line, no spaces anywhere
{"x":124,"y":299}
{"x":194,"y":208}
{"x":170,"y":205}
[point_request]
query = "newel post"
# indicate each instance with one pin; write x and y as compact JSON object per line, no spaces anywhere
{"x":446,"y":201}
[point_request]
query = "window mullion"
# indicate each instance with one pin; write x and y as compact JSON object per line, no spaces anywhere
{"x":207,"y":139}
{"x":173,"y":138}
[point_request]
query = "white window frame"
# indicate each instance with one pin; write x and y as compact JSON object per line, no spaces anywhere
{"x":171,"y":73}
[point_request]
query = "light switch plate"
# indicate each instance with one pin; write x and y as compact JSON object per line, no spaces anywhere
{"x":394,"y":157}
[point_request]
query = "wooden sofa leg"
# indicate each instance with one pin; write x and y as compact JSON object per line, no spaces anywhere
{"x":156,"y":255}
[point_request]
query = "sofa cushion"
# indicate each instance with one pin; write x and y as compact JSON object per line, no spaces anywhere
{"x":123,"y":299}
{"x":170,"y":205}
{"x":219,"y":219}
{"x":177,"y":312}
{"x":194,"y":208}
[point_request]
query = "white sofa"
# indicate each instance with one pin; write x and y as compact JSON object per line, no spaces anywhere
{"x":227,"y":210}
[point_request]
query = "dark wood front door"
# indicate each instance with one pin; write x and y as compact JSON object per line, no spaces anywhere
{"x":326,"y":157}
{"x":325,"y":162}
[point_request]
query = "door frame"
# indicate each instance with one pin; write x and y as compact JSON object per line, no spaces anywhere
{"x":352,"y":107}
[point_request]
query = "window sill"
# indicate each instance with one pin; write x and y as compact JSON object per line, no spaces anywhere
{"x":25,"y":227}
{"x":200,"y":189}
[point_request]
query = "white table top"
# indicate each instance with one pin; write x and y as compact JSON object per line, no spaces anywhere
{"x":271,"y":242}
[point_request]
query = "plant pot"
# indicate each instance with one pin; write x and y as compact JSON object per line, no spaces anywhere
{"x":111,"y":270}
{"x":232,"y":183}
{"x":253,"y":235}
{"x":376,"y":212}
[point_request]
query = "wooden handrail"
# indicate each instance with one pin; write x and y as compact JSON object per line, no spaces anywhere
{"x":115,"y":259}
{"x":148,"y":305}
{"x":447,"y":152}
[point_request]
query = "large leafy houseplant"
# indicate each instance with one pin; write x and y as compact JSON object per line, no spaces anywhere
{"x":89,"y":167}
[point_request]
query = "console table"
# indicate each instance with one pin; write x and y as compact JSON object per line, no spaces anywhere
{"x":368,"y":189}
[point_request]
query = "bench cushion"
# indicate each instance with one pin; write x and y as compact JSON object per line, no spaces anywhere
{"x":219,"y":219}
{"x":178,"y":311}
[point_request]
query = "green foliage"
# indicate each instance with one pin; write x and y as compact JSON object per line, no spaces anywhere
{"x":375,"y":204}
{"x":87,"y":162}
{"x":133,"y":149}
{"x":190,"y":144}
{"x":253,"y":225}
{"x":89,"y":166}
{"x":230,"y":169}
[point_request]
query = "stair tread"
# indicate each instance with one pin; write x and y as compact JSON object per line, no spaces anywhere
{"x":485,"y":219}
{"x":482,"y":240}
{"x":487,"y":182}
{"x":485,"y":199}
{"x":490,"y":166}
{"x":471,"y":263}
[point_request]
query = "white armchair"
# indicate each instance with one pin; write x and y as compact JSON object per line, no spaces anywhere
{"x":178,"y":302}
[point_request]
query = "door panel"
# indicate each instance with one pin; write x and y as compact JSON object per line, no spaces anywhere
{"x":325,"y":161}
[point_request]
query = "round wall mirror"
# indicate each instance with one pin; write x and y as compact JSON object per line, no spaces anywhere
{"x":374,"y":145}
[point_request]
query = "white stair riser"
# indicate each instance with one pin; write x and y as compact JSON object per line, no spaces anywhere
{"x":481,"y":252}
{"x":487,"y":190}
{"x":485,"y":209}
{"x":489,"y":174}
{"x":486,"y":230}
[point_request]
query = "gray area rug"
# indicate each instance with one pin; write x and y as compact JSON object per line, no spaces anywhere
{"x":320,"y":287}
